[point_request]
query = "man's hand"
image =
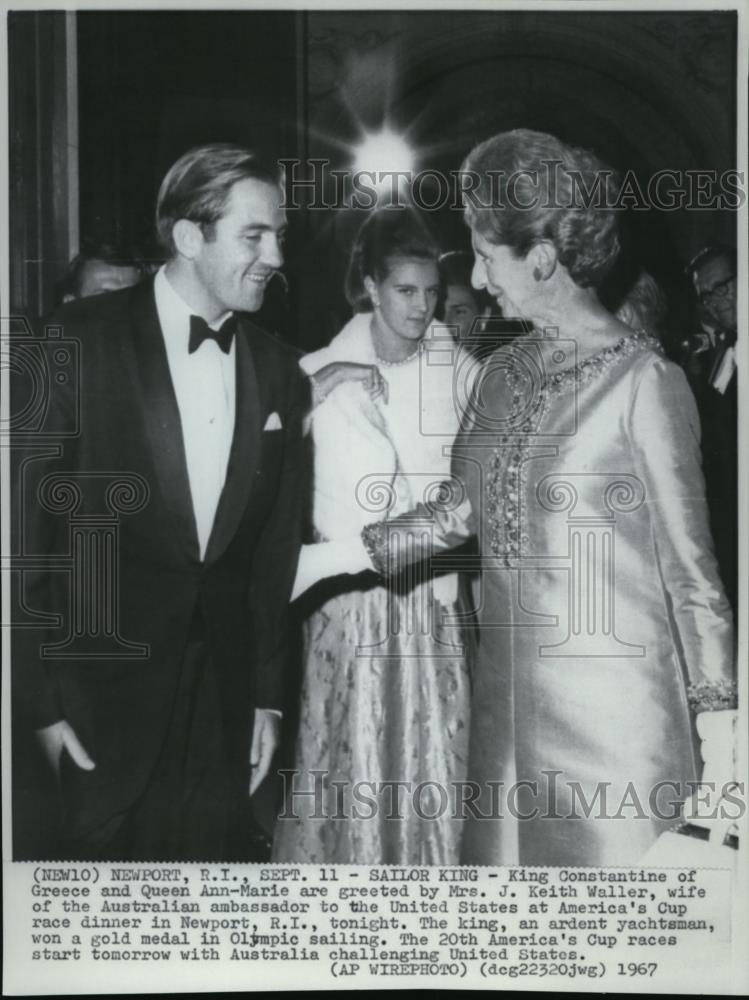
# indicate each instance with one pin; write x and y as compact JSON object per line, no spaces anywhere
{"x":265,"y":736}
{"x":59,"y":735}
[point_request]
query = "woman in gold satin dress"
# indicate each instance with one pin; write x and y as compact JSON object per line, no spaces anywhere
{"x":603,"y":625}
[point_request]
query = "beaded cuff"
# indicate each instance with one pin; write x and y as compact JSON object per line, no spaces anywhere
{"x":375,"y":539}
{"x":712,"y":696}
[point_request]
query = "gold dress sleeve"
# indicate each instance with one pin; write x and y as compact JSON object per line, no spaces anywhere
{"x":665,"y":433}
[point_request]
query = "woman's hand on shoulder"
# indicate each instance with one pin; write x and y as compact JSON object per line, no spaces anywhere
{"x":334,"y":374}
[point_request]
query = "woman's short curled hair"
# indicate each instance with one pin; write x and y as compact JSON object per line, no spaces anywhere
{"x":197,"y":187}
{"x":522,"y":187}
{"x":387,"y":234}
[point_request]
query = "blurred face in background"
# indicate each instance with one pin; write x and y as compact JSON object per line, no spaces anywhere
{"x":715,"y":284}
{"x":98,"y":276}
{"x":461,"y":308}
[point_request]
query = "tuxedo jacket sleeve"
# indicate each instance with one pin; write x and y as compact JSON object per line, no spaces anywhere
{"x":277,"y":552}
{"x":39,"y":450}
{"x":121,"y":416}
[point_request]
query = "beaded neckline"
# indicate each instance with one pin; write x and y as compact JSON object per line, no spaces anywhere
{"x":589,"y":368}
{"x":531,"y":394}
{"x":506,"y":480}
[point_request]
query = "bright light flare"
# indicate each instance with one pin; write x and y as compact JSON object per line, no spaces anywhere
{"x":384,"y":154}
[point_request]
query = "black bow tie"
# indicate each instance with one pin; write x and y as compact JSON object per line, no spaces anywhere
{"x":200,"y":331}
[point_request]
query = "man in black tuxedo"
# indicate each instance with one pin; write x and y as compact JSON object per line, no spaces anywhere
{"x":159,"y":713}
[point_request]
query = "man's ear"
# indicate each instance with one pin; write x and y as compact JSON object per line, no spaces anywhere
{"x":188,"y":238}
{"x":543,"y":257}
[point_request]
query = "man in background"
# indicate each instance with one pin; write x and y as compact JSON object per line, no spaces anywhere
{"x":99,"y":268}
{"x":713,"y":274}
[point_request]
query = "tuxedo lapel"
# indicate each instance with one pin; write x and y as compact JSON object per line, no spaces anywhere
{"x":161,"y":417}
{"x":244,"y":454}
{"x":717,"y":355}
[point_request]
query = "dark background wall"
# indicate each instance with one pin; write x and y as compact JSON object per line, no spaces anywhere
{"x":151,"y":85}
{"x":646,"y":90}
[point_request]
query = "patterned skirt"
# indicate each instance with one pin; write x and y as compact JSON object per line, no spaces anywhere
{"x":383,"y":735}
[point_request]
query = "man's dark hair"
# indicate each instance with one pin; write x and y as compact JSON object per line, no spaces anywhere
{"x":198,"y":185}
{"x":719,"y":251}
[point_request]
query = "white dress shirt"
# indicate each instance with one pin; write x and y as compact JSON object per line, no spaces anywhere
{"x":205,"y":386}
